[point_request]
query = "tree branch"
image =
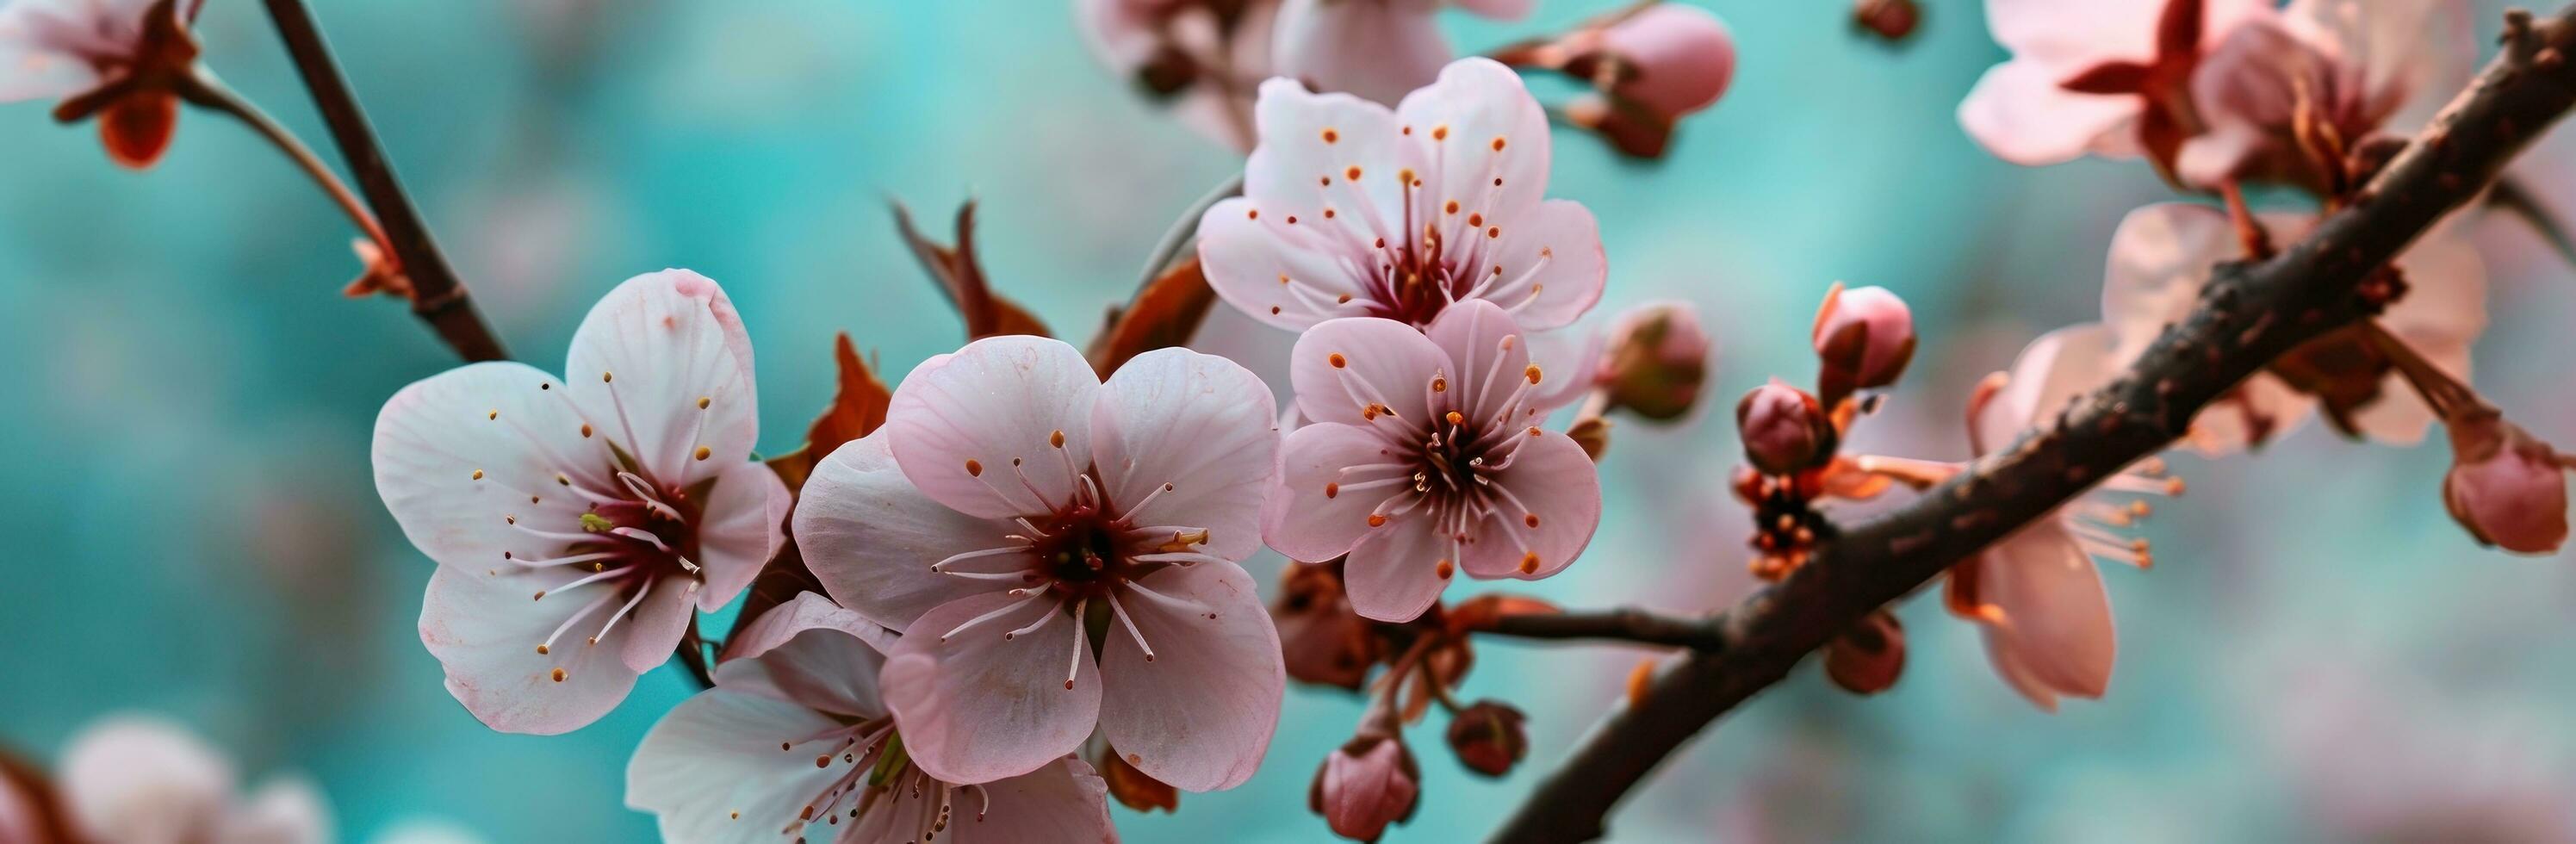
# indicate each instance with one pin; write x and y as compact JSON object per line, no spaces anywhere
{"x":437,"y":297}
{"x":2249,"y":314}
{"x":1626,"y":624}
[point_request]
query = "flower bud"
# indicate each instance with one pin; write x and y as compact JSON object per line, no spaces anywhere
{"x":1365,"y":785}
{"x":1783,"y":428}
{"x":1864,"y":338}
{"x":1658,"y":355}
{"x":1893,"y":20}
{"x":1868,"y":658}
{"x":1320,"y":638}
{"x":1678,"y":59}
{"x":1488,"y":737}
{"x":2506,"y":487}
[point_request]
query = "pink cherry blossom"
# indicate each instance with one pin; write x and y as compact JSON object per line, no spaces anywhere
{"x":2355,"y":64}
{"x":117,"y":59}
{"x":136,"y":779}
{"x":803,"y":677}
{"x":2036,"y":594}
{"x":1062,"y":554}
{"x":1350,"y":209}
{"x":1365,"y":785}
{"x":1208,"y":56}
{"x":2162,"y":256}
{"x":1374,"y":49}
{"x":1681,"y":56}
{"x":576,"y":521}
{"x":2028,"y":110}
{"x":1424,"y":458}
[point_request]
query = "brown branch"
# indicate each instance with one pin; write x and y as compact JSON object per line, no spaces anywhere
{"x":1626,"y":624}
{"x":437,"y":297}
{"x":2249,"y":314}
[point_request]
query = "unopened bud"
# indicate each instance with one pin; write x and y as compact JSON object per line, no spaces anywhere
{"x":1783,"y":428}
{"x":1321,"y":639}
{"x":1677,"y":59}
{"x":1488,"y":737}
{"x":1868,"y":658}
{"x":1864,"y":338}
{"x":1893,"y":20}
{"x":1365,"y":785}
{"x":1658,"y":356}
{"x":2506,"y":487}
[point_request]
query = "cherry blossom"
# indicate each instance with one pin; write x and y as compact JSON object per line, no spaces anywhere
{"x":2036,"y":594}
{"x":2352,"y":65}
{"x":1062,"y":553}
{"x":805,"y":676}
{"x":137,"y":779}
{"x":2161,"y":257}
{"x":118,"y":59}
{"x":2110,"y":78}
{"x":576,"y":521}
{"x":1205,"y":54}
{"x":1375,"y":49}
{"x":1365,"y":785}
{"x":1425,"y":458}
{"x":1352,"y":209}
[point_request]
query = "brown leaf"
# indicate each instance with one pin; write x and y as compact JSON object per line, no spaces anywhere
{"x":960,"y":276}
{"x":1164,"y":314}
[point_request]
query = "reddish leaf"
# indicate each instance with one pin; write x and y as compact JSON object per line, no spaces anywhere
{"x":2178,"y":29}
{"x":960,"y":276}
{"x":2109,"y":78}
{"x":1164,"y":314}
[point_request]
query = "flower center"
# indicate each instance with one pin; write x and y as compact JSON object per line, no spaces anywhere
{"x":630,"y":540}
{"x":877,"y":776}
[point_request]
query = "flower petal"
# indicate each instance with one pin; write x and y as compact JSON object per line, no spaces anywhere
{"x":142,"y":778}
{"x":1488,"y":355}
{"x":41,"y":49}
{"x":1376,"y":50}
{"x":467,"y":462}
{"x":810,"y":652}
{"x":2018,"y":113}
{"x":2161,"y":257}
{"x":2057,"y":617}
{"x":742,"y":526}
{"x":1547,"y":267}
{"x":657,"y":624}
{"x":713,"y":770}
{"x":2050,"y":374}
{"x":284,"y":810}
{"x":1199,"y":425}
{"x":1309,"y":143}
{"x":1060,"y":803}
{"x":1561,"y":489}
{"x":663,"y":366}
{"x":1394,"y":572}
{"x":968,"y":428}
{"x":978,"y":704}
{"x":871,"y":537}
{"x":1198,"y":712}
{"x":1288,"y":276}
{"x":484,"y":629}
{"x":1382,"y":362}
{"x":1307,"y":516}
{"x":1480,"y":139}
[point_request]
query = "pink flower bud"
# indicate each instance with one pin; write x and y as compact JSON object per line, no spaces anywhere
{"x":1864,"y":338}
{"x":1783,"y":428}
{"x":1658,"y":355}
{"x":1488,"y":737}
{"x":2506,"y":487}
{"x":1364,"y":786}
{"x":1680,"y":58}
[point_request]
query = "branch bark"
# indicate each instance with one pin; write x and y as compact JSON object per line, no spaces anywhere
{"x":2248,"y":315}
{"x":1626,"y":624}
{"x":437,"y":297}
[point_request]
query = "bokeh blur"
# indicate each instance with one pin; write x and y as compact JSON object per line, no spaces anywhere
{"x":192,"y":529}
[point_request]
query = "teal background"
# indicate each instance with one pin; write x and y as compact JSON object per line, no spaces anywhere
{"x":2319,"y":652}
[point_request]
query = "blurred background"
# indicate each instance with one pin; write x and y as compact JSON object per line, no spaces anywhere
{"x":2319,"y":653}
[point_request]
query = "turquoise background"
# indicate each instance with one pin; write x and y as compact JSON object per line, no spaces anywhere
{"x":2319,"y":652}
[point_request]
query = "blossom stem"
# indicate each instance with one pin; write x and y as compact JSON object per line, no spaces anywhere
{"x":2445,"y":394}
{"x":438,"y":298}
{"x":1626,"y":624}
{"x":2237,"y":329}
{"x":1185,"y":230}
{"x":205,"y":90}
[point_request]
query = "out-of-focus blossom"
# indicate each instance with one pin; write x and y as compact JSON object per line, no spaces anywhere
{"x":2110,"y":78}
{"x":804,"y":678}
{"x":1205,"y":55}
{"x":2036,"y":593}
{"x":1323,"y":640}
{"x":1649,"y":66}
{"x":1352,"y":209}
{"x":1656,"y":360}
{"x":1377,"y":50}
{"x":1424,"y":458}
{"x":1365,"y":785}
{"x":1783,"y":428}
{"x":2506,"y":487}
{"x":2348,"y":66}
{"x":578,"y":521}
{"x":1892,"y":20}
{"x":1012,"y":507}
{"x":1863,"y":338}
{"x":120,"y":60}
{"x":1489,"y":737}
{"x":2163,"y":255}
{"x":134,"y":779}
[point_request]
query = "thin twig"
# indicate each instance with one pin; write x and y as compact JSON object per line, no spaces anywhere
{"x":2249,"y":314}
{"x":437,"y":297}
{"x":1626,"y":624}
{"x":211,"y":93}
